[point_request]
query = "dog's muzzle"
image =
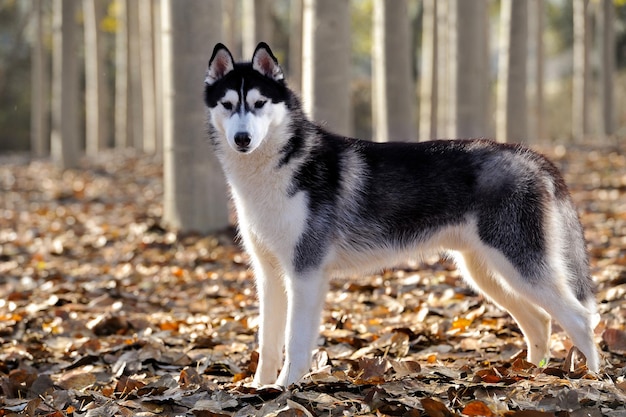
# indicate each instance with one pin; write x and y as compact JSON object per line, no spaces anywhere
{"x":242,"y":140}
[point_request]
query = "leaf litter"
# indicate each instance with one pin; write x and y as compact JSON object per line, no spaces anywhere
{"x":103,"y":311}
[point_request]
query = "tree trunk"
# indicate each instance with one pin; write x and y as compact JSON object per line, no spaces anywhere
{"x":40,"y":76}
{"x":64,"y":135}
{"x":428,"y":72}
{"x":294,"y":73}
{"x":470,"y":70}
{"x":147,"y":65}
{"x":134,"y":76}
{"x":194,"y":186}
{"x":122,"y":93}
{"x":445,"y":59}
{"x":511,"y":123}
{"x":158,"y":75}
{"x":96,"y":98}
{"x":256,"y":24}
{"x":535,"y":29}
{"x":232,"y":26}
{"x":607,"y":66}
{"x":580,"y":82}
{"x":326,"y":62}
{"x":393,"y":101}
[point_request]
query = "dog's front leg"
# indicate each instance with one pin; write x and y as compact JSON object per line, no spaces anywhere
{"x":273,"y":312}
{"x":305,"y":299}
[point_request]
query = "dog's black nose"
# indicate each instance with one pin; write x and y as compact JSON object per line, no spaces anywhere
{"x":242,"y":139}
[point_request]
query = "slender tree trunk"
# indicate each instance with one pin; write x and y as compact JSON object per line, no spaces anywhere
{"x":326,"y":63}
{"x":512,"y":112}
{"x":295,"y":45}
{"x":122,"y":92}
{"x":535,"y":30}
{"x":134,"y":76}
{"x":393,"y":102}
{"x":445,"y":60}
{"x":96,"y":98}
{"x":194,"y":187}
{"x":147,"y":75}
{"x":65,"y":147}
{"x":158,"y":75}
{"x":470,"y":70}
{"x":428,"y":72}
{"x":231,"y":26}
{"x":581,"y":77}
{"x":256,"y":24}
{"x":40,"y":76}
{"x":607,"y":67}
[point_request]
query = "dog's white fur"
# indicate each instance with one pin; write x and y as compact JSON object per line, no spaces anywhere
{"x":277,"y":218}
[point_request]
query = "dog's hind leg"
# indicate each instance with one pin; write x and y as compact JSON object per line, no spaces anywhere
{"x":272,"y":311}
{"x":306,"y":293}
{"x":532,"y":303}
{"x":577,"y":320}
{"x":534,"y":321}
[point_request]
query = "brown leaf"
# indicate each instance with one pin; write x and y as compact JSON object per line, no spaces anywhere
{"x":126,"y":385}
{"x":615,"y":340}
{"x":77,"y":379}
{"x":477,"y":408}
{"x":188,"y":377}
{"x":435,"y":408}
{"x":406,"y":368}
{"x":111,"y":325}
{"x":371,"y":370}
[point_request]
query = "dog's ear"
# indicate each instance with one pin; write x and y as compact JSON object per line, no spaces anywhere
{"x":266,"y":63}
{"x":220,"y":64}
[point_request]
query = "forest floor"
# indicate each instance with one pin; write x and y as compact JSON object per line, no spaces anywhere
{"x":105,"y":312}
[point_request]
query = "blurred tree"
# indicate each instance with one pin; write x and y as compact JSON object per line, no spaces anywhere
{"x":96,"y":91}
{"x":470,"y":71}
{"x":256,"y":24}
{"x":326,"y":63}
{"x":147,"y":65}
{"x":581,"y":80}
{"x":607,"y":66}
{"x":295,"y":45}
{"x":136,"y":111}
{"x":536,"y":29}
{"x":445,"y":54}
{"x":158,"y":75}
{"x":15,"y":75}
{"x":231,"y":26}
{"x":40,"y":85}
{"x":122,"y":91}
{"x":195,"y":190}
{"x":393,"y":101}
{"x":428,"y":73}
{"x":512,"y":120}
{"x":64,"y":145}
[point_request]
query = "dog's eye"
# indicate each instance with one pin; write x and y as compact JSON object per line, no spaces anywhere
{"x":259,"y":103}
{"x":227,"y":105}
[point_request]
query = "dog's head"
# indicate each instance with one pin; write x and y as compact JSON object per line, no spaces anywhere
{"x":245,"y":100}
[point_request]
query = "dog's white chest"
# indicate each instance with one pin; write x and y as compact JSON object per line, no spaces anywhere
{"x":266,"y":209}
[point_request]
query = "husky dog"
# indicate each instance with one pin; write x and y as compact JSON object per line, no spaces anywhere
{"x":312,"y":204}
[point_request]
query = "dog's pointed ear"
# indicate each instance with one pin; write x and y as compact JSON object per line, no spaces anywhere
{"x":266,"y":63}
{"x":220,"y":64}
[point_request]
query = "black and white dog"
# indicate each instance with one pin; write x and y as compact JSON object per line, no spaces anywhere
{"x":312,"y":204}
